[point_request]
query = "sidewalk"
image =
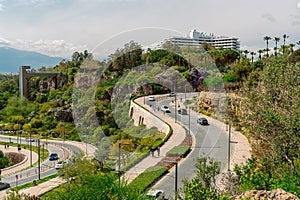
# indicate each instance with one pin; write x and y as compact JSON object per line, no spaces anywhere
{"x":177,"y":137}
{"x":20,"y":166}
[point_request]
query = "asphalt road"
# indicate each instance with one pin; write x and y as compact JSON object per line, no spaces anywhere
{"x":210,"y":140}
{"x":47,"y":167}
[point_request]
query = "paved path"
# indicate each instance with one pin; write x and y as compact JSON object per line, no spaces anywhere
{"x":177,"y":137}
{"x":24,"y":164}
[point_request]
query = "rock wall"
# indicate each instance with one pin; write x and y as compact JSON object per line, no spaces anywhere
{"x":140,"y":116}
{"x":279,"y":194}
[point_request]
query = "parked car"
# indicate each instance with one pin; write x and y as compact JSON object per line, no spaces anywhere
{"x":53,"y":156}
{"x":60,"y":164}
{"x":4,"y":186}
{"x":151,"y":98}
{"x":182,"y":111}
{"x":202,"y":121}
{"x":156,"y":194}
{"x":165,"y":109}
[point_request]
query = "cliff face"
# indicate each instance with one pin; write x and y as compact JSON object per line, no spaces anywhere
{"x":53,"y":83}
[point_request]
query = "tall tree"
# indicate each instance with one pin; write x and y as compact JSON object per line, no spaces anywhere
{"x":252,"y":55}
{"x":272,"y":112}
{"x":246,"y":53}
{"x":260,"y":51}
{"x":298,"y":43}
{"x":292,"y":47}
{"x":276,"y":39}
{"x":267,"y":38}
{"x":285,"y":36}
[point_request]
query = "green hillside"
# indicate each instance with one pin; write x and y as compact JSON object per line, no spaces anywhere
{"x":92,"y":101}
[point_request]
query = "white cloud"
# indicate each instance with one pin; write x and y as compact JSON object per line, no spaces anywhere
{"x":298,"y":5}
{"x":1,"y":5}
{"x":59,"y":48}
{"x":269,"y":17}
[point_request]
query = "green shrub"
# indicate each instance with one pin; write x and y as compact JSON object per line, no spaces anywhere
{"x":147,"y":178}
{"x":179,"y":151}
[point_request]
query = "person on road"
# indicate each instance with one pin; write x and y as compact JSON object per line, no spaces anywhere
{"x":158,"y":151}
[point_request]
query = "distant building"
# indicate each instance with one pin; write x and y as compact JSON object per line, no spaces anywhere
{"x":195,"y":39}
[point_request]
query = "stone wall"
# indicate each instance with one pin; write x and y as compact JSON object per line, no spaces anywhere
{"x":140,"y":116}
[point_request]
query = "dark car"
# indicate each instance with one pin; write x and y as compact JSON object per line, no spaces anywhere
{"x":4,"y":186}
{"x":202,"y":121}
{"x":53,"y":156}
{"x":182,"y":111}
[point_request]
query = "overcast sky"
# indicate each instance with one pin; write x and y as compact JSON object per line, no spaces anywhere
{"x":60,"y":27}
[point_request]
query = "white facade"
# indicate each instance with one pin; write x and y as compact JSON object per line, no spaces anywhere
{"x":195,"y":39}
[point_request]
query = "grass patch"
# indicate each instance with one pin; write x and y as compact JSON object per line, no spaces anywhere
{"x":28,"y":185}
{"x":147,"y":178}
{"x":178,"y":151}
{"x":133,"y":161}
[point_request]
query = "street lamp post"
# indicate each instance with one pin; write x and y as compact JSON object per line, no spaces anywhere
{"x":229,"y":142}
{"x":176,"y":176}
{"x":39,"y":159}
{"x":30,"y":147}
{"x":189,"y":132}
{"x":175,"y":107}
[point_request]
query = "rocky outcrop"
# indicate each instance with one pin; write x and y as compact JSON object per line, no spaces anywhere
{"x":277,"y":194}
{"x":64,"y":116}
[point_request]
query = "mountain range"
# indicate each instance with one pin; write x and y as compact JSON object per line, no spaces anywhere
{"x":11,"y":59}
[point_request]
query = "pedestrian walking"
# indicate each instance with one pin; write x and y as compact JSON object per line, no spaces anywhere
{"x":152,"y":151}
{"x":158,"y":151}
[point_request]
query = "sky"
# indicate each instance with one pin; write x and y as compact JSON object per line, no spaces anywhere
{"x":61,"y":27}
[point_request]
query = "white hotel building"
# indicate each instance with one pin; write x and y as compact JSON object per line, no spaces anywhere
{"x":195,"y":39}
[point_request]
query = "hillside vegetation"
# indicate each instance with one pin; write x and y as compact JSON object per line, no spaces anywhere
{"x":84,"y":105}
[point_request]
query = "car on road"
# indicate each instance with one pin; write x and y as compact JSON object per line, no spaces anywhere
{"x":165,"y":109}
{"x":53,"y":156}
{"x":171,"y":94}
{"x":182,"y":111}
{"x":151,"y":98}
{"x":60,"y":164}
{"x":202,"y":121}
{"x":30,"y":140}
{"x":155,"y":194}
{"x":4,"y":186}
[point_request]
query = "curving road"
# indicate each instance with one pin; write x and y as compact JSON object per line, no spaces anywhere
{"x":63,"y":149}
{"x":211,"y":140}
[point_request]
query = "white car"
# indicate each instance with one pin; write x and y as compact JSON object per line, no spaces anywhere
{"x":157,"y":194}
{"x":171,"y":94}
{"x":151,"y":98}
{"x":60,"y":164}
{"x":165,"y":109}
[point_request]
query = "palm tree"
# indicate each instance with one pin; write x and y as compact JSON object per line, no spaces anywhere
{"x":260,"y":51}
{"x":267,"y":38}
{"x":292,"y":47}
{"x":252,"y":55}
{"x":276,"y":39}
{"x":285,"y":36}
{"x":298,"y":43}
{"x":246,"y":53}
